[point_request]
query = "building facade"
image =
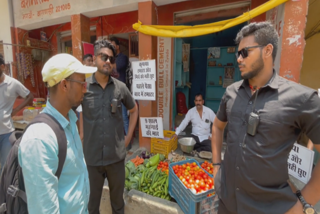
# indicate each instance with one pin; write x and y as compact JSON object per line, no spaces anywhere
{"x":40,"y":28}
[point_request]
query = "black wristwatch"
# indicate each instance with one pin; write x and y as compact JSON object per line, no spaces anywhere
{"x":307,"y":208}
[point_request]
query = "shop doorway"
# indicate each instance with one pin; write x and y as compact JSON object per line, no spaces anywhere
{"x":212,"y":66}
{"x":65,"y":40}
{"x":129,"y":44}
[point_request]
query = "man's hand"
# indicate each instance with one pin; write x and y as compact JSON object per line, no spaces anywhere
{"x":296,"y":209}
{"x":14,"y":112}
{"x":209,"y":137}
{"x":174,"y":137}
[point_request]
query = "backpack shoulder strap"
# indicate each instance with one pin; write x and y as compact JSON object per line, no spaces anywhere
{"x":60,"y":134}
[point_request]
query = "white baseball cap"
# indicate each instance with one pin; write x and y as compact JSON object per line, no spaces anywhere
{"x":61,"y":66}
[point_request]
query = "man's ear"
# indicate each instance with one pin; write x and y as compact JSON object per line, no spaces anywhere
{"x":268,"y":50}
{"x":63,"y":85}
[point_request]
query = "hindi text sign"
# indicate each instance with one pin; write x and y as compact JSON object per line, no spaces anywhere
{"x":300,"y":162}
{"x":151,"y":127}
{"x":144,"y":90}
{"x":144,"y":70}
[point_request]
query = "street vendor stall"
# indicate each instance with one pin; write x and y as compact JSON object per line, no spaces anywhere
{"x":28,"y":113}
{"x":176,"y":176}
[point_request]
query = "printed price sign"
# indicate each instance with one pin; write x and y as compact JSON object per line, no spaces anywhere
{"x":144,"y":70}
{"x":300,"y":163}
{"x":144,"y":90}
{"x":151,"y":127}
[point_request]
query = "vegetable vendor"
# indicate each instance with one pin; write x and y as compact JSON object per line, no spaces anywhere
{"x":201,"y":118}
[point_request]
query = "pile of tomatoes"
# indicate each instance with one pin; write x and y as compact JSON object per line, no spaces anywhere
{"x":193,"y":177}
{"x":207,"y":166}
{"x":164,"y":167}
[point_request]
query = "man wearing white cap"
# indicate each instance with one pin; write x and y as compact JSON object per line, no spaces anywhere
{"x":38,"y":151}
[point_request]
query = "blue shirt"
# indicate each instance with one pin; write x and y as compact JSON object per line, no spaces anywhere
{"x":38,"y":157}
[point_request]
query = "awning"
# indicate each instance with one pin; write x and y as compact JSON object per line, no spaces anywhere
{"x":199,"y":30}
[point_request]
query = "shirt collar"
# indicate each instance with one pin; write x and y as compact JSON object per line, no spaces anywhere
{"x":273,"y":82}
{"x":6,"y":79}
{"x":93,"y":79}
{"x":59,"y":117}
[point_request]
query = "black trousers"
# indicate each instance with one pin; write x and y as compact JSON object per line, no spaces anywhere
{"x":222,"y":209}
{"x":115,"y":174}
{"x":202,"y":146}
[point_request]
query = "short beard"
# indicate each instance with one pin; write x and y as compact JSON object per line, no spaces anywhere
{"x":107,"y":73}
{"x":256,"y":67}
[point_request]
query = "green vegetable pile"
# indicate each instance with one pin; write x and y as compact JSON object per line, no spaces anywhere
{"x":146,"y":178}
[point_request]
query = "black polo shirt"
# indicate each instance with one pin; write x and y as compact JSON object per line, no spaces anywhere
{"x":103,"y":131}
{"x":254,"y":173}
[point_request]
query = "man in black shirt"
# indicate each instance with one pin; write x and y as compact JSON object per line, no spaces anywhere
{"x":104,"y":140}
{"x":265,"y":114}
{"x":121,"y":67}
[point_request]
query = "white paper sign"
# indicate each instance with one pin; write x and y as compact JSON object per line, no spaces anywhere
{"x":151,"y":127}
{"x":300,"y":163}
{"x":144,"y":70}
{"x":144,"y":90}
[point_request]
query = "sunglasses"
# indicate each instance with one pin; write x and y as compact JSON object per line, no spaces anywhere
{"x":84,"y":84}
{"x":244,"y":51}
{"x":105,"y":58}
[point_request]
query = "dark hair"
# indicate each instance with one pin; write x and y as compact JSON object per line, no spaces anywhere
{"x":99,"y":44}
{"x":115,"y":40}
{"x":199,"y":94}
{"x":264,"y":33}
{"x":86,"y":56}
{"x":1,"y":60}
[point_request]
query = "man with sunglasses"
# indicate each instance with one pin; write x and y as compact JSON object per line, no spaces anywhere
{"x":265,"y":114}
{"x":38,"y":151}
{"x":104,"y":140}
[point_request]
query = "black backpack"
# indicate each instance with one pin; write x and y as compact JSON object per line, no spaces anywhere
{"x":129,"y":75}
{"x":13,"y":199}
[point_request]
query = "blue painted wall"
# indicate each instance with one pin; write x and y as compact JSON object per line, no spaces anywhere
{"x":198,"y":57}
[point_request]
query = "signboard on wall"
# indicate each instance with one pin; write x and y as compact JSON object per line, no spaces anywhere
{"x":276,"y":17}
{"x":144,"y":90}
{"x":144,"y":70}
{"x":32,"y":14}
{"x":300,"y":163}
{"x":28,"y":11}
{"x":144,"y":80}
{"x":164,"y":80}
{"x":151,"y":127}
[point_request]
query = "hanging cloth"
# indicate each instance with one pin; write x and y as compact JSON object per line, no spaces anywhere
{"x":199,"y":30}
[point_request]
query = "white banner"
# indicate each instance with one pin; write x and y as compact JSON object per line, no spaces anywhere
{"x":151,"y":127}
{"x":144,"y":70}
{"x":144,"y":90}
{"x":164,"y":80}
{"x":300,"y":163}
